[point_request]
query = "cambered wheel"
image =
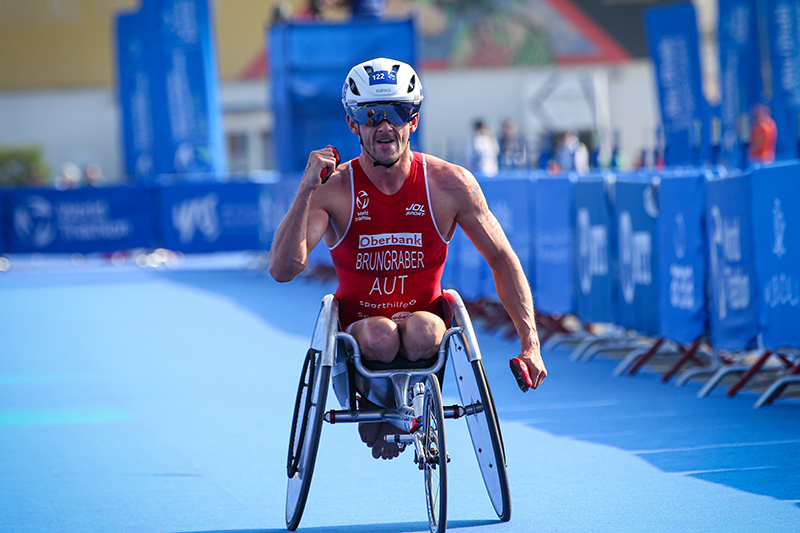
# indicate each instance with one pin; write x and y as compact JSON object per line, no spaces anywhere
{"x":309,"y":408}
{"x":484,"y":428}
{"x":435,"y":456}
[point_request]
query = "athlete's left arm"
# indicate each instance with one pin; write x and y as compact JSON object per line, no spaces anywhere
{"x":485,"y":232}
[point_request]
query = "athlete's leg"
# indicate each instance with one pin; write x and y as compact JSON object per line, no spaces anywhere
{"x":421,"y":334}
{"x":378,"y":338}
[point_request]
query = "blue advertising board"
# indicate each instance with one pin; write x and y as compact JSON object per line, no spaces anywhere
{"x":674,"y":47}
{"x":211,"y":217}
{"x":776,"y":229}
{"x":594,"y":251}
{"x":635,"y":213}
{"x":509,"y":199}
{"x":740,"y":74}
{"x":81,"y":220}
{"x":553,"y":245}
{"x":681,"y":246}
{"x":184,"y":85}
{"x":783,"y":22}
{"x":309,"y":63}
{"x":134,"y":90}
{"x":733,"y":311}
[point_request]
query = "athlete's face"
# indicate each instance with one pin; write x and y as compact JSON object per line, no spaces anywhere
{"x":384,"y":143}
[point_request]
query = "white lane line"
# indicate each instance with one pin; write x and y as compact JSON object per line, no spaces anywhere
{"x":714,"y":446}
{"x":553,"y":406}
{"x":717,"y":470}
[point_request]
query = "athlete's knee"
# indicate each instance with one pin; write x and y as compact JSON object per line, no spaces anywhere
{"x":378,"y":338}
{"x":422,"y":334}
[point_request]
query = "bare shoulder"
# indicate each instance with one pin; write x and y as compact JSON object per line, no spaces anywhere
{"x":449,"y":179}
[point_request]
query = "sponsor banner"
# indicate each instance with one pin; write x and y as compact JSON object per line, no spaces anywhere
{"x":594,"y":251}
{"x":681,"y":247}
{"x":81,"y":220}
{"x":187,"y":112}
{"x":776,"y":231}
{"x":674,"y":47}
{"x":635,"y":213}
{"x":199,"y":218}
{"x":134,"y":91}
{"x":740,"y":75}
{"x":733,"y":311}
{"x":307,"y":77}
{"x":783,"y":21}
{"x":553,"y":245}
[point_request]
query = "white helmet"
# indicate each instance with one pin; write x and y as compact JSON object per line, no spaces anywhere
{"x":382,"y":89}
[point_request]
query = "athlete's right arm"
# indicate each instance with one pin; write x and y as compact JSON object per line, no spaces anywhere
{"x":305,"y":223}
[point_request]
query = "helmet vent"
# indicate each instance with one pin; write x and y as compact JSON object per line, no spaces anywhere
{"x":411,"y":84}
{"x":354,"y":87}
{"x":368,"y":69}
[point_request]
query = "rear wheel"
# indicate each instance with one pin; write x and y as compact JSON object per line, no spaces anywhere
{"x":435,"y":456}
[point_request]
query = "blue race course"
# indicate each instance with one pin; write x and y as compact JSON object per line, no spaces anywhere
{"x":143,"y":400}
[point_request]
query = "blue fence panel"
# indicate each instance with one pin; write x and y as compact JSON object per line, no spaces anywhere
{"x":134,"y":82}
{"x":635,"y":212}
{"x":81,"y":220}
{"x":184,"y":88}
{"x":740,"y":74}
{"x":783,"y":23}
{"x":776,"y":230}
{"x":198,"y":218}
{"x":682,"y":266}
{"x":553,"y":245}
{"x":595,"y":250}
{"x":675,"y":48}
{"x":309,"y":63}
{"x":732,"y":270}
{"x":509,"y":199}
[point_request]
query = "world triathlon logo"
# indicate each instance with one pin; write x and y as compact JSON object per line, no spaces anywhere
{"x":362,"y":200}
{"x":34,"y":221}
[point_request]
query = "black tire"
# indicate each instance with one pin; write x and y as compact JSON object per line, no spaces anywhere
{"x":435,"y":460}
{"x":484,"y":428}
{"x":312,"y":394}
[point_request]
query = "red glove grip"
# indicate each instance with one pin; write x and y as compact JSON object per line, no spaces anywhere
{"x":326,"y":172}
{"x":520,"y":370}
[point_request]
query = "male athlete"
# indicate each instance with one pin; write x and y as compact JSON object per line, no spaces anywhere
{"x":387,"y":217}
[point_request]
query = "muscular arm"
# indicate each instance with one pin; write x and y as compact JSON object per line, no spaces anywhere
{"x":485,"y":232}
{"x":304,"y":225}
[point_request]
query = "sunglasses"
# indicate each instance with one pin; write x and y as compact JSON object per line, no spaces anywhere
{"x":372,"y":114}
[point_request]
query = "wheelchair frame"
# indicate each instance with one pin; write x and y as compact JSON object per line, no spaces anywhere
{"x":417,"y":410}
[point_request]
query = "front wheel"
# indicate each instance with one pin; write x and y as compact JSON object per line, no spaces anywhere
{"x":434,"y":456}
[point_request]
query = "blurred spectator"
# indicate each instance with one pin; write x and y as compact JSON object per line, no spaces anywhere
{"x":93,"y":175}
{"x":572,"y":155}
{"x":763,"y":134}
{"x":483,"y":150}
{"x":69,"y":178}
{"x":513,"y":153}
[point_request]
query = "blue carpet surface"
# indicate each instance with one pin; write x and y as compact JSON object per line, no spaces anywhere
{"x":159,"y":401}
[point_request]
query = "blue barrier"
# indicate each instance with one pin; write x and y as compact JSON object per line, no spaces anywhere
{"x":80,"y":220}
{"x":553,"y":253}
{"x":682,"y":252}
{"x":635,"y":212}
{"x":732,"y":270}
{"x":776,"y":229}
{"x":196,"y":218}
{"x":510,"y":200}
{"x":595,"y":252}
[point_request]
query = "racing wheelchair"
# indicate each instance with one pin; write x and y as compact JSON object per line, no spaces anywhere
{"x":413,"y":403}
